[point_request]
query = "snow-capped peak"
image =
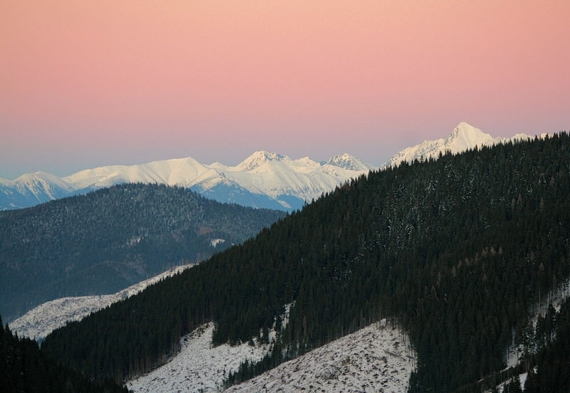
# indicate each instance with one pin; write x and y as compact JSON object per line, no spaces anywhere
{"x":264,"y":179}
{"x":347,"y":161}
{"x":463,"y":138}
{"x":30,"y":179}
{"x":37,"y":187}
{"x":259,"y":158}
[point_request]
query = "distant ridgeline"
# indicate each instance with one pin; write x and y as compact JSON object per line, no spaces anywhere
{"x":456,"y":250}
{"x":107,"y":240}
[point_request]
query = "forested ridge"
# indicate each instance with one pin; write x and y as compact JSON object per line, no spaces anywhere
{"x":112,"y":238}
{"x":455,"y":250}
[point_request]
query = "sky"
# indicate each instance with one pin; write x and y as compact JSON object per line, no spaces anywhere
{"x":93,"y":83}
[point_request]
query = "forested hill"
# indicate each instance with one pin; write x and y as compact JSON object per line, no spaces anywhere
{"x":107,"y":240}
{"x":456,"y":250}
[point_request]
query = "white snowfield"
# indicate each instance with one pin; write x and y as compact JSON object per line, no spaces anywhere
{"x":374,"y":359}
{"x":45,"y":318}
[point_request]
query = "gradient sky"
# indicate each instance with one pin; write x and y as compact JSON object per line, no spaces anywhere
{"x":92,"y":83}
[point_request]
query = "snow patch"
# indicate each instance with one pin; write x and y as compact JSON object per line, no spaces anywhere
{"x":199,"y":367}
{"x":215,"y":242}
{"x":374,"y":359}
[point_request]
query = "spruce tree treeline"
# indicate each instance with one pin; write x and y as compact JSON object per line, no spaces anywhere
{"x":455,"y":249}
{"x":110,"y":239}
{"x":24,"y":368}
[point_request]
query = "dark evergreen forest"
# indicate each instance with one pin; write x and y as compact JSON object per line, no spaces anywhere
{"x":24,"y":368}
{"x":107,"y":240}
{"x":548,"y":364}
{"x":455,"y":250}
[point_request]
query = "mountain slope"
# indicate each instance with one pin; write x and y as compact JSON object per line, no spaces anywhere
{"x":457,"y":250}
{"x":373,"y":359}
{"x":107,"y":240}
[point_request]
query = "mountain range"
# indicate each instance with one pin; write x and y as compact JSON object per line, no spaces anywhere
{"x":499,"y":213}
{"x":263,"y":180}
{"x":457,"y":252}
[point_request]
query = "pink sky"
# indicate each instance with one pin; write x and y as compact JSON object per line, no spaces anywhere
{"x":91,"y":83}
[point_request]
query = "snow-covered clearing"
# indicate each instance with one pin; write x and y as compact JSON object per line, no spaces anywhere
{"x":45,"y":318}
{"x":374,"y":359}
{"x":199,"y":366}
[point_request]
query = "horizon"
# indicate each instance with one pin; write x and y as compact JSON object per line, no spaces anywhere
{"x":376,"y":166}
{"x":89,"y":84}
{"x":234,"y":164}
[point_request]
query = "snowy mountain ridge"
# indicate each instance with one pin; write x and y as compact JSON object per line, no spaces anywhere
{"x":464,"y":137}
{"x":272,"y":175}
{"x":31,"y":189}
{"x":263,"y":180}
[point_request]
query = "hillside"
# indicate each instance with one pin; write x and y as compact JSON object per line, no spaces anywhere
{"x":456,"y":250}
{"x":110,"y":239}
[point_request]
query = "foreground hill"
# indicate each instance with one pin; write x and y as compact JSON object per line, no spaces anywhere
{"x":110,"y":239}
{"x":455,"y":250}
